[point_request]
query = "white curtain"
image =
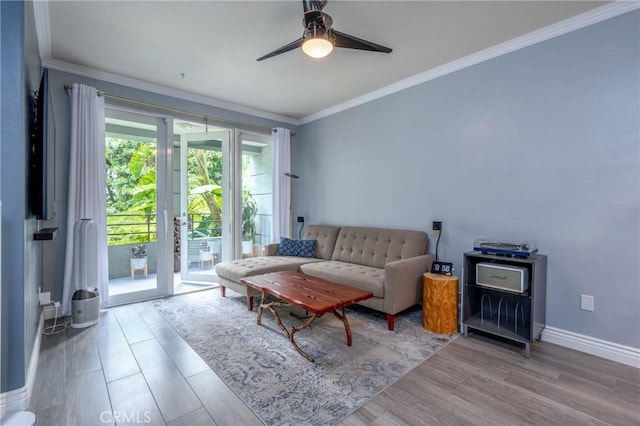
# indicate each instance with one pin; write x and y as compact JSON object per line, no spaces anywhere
{"x":281,"y":154}
{"x":86,"y":198}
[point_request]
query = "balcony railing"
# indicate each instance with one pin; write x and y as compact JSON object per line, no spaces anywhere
{"x":128,"y":228}
{"x":141,"y":228}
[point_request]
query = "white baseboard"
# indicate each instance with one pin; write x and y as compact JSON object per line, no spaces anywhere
{"x":49,"y":311}
{"x":19,"y":399}
{"x":601,"y":348}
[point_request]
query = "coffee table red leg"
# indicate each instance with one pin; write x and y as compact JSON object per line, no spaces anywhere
{"x":343,"y":317}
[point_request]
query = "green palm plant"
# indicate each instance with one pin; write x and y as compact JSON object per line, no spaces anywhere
{"x":249,"y":212}
{"x":142,"y":169}
{"x":201,"y":200}
{"x":205,"y":186}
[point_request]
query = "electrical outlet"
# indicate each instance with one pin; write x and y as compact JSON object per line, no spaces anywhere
{"x":437,"y":226}
{"x":300,"y":219}
{"x":44,"y":298}
{"x":586,"y":302}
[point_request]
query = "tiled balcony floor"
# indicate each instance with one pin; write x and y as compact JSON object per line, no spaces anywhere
{"x":140,"y":282}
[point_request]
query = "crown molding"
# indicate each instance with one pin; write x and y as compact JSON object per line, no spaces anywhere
{"x":43,"y":31}
{"x":616,"y":8}
{"x":577,"y":22}
{"x":162,"y":90}
{"x":43,"y":28}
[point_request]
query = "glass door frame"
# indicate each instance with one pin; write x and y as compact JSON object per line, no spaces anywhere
{"x":164,"y":208}
{"x":225,"y":137}
{"x":240,"y":137}
{"x":232,"y":184}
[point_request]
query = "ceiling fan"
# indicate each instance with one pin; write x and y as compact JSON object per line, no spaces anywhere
{"x":319,"y":39}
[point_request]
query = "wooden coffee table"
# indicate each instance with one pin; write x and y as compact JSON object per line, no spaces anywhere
{"x":313,"y":294}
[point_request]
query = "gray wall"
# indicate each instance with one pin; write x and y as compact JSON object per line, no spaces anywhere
{"x":21,"y":256}
{"x":539,"y":145}
{"x":53,"y":256}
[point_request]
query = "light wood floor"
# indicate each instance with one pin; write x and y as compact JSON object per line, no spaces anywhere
{"x":481,"y":381}
{"x":133,"y":368}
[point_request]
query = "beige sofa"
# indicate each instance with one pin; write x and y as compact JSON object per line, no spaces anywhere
{"x":387,"y":262}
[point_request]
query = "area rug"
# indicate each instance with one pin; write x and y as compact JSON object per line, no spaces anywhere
{"x":281,"y":387}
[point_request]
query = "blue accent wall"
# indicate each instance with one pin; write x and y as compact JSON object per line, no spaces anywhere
{"x":540,"y":145}
{"x":21,"y":256}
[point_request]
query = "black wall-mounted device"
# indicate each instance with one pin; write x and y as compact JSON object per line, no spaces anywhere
{"x":301,"y":222}
{"x":41,"y":173}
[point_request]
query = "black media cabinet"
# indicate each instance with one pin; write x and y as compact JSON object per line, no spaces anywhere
{"x":514,"y":316}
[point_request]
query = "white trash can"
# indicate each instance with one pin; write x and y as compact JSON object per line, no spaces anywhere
{"x":85,"y":308}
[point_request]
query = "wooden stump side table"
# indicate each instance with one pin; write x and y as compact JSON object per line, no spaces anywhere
{"x":440,"y":303}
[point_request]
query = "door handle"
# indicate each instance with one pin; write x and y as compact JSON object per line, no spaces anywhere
{"x":165,"y":214}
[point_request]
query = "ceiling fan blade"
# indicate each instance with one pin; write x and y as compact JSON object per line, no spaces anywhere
{"x":352,"y":42}
{"x":283,"y":49}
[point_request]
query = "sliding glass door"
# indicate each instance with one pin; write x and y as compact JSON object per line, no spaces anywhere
{"x":225,"y":197}
{"x":177,"y":206}
{"x":137,"y":215}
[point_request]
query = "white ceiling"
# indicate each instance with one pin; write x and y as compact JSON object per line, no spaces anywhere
{"x":209,"y":48}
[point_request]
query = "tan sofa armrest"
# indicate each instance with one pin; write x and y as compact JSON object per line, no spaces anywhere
{"x":272,"y":249}
{"x":403,"y":282}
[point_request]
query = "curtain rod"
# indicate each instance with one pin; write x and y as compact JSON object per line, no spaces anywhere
{"x":205,"y":118}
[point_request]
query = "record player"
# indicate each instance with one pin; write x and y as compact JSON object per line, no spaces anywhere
{"x":504,"y":248}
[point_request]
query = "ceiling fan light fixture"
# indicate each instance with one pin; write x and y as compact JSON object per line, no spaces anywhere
{"x":317,"y":47}
{"x":317,"y":43}
{"x":319,"y":39}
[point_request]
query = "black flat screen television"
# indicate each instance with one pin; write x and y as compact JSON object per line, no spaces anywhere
{"x":42,"y":155}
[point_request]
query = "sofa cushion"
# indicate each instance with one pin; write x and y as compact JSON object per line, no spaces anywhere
{"x":300,"y":248}
{"x":358,"y":276}
{"x":325,"y":236}
{"x":376,"y":246}
{"x":237,"y":269}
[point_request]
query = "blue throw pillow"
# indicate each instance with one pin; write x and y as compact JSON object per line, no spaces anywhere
{"x":300,"y":248}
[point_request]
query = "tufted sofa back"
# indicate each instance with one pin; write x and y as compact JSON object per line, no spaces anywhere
{"x":377,"y":246}
{"x":325,"y":236}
